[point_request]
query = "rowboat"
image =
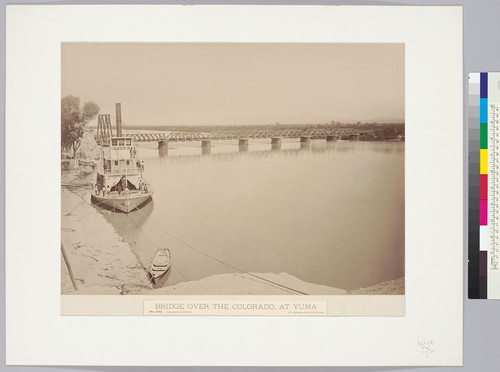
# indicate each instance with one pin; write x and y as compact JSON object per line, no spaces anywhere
{"x":160,"y":264}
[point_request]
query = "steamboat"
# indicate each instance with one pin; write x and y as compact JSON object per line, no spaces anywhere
{"x":118,"y":180}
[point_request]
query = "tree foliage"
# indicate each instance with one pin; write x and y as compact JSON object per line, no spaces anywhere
{"x":73,"y":121}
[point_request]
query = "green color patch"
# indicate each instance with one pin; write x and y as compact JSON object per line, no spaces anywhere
{"x":484,"y":136}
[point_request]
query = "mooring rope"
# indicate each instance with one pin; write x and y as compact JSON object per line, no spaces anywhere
{"x":222,"y":262}
{"x":81,"y":203}
{"x":156,"y":245}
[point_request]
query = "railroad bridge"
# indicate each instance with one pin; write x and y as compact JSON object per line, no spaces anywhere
{"x":206,"y":138}
{"x":105,"y":131}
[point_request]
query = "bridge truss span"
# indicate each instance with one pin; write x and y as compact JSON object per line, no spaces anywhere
{"x":186,"y":136}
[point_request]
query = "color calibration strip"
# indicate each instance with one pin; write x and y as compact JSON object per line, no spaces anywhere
{"x":484,"y":185}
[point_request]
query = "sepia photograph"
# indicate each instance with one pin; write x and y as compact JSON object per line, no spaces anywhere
{"x":232,"y":169}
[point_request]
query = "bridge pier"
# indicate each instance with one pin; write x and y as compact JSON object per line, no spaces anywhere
{"x":276,"y":143}
{"x":304,"y":143}
{"x":331,"y":138}
{"x":243,"y":144}
{"x":206,"y":147}
{"x":163,"y":145}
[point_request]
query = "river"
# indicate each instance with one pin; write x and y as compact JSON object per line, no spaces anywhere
{"x":329,"y":213}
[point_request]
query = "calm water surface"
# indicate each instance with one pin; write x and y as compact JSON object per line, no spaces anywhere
{"x":327,"y":213}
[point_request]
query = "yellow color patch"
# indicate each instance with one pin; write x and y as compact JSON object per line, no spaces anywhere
{"x":483,"y":161}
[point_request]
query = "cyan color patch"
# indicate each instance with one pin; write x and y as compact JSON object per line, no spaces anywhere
{"x":484,"y":111}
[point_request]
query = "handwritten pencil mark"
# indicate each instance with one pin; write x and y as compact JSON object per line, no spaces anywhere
{"x":426,"y":347}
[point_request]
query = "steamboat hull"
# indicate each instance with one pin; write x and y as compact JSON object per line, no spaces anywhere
{"x":124,"y":204}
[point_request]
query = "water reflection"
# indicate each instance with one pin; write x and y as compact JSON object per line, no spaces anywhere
{"x":342,"y":146}
{"x":229,"y":156}
{"x":261,"y":150}
{"x":132,"y":220}
{"x":384,"y":149}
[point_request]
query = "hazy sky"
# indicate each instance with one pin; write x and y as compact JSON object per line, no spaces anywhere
{"x":226,"y":83}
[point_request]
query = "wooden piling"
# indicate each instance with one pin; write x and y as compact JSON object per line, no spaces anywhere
{"x":68,"y":266}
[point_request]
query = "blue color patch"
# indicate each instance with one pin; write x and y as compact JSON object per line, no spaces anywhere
{"x":483,"y":110}
{"x":484,"y":85}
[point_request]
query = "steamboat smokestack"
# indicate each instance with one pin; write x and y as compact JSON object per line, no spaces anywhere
{"x":119,"y":119}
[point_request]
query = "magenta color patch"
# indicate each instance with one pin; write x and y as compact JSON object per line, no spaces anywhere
{"x":483,"y":212}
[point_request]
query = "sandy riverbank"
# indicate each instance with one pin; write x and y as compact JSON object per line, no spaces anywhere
{"x":101,"y":262}
{"x":391,"y":287}
{"x":248,"y":284}
{"x":245,"y":284}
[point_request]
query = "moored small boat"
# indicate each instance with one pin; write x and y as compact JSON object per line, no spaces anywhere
{"x":160,"y":264}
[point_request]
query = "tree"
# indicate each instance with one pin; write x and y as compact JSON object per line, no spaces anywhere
{"x":73,"y":121}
